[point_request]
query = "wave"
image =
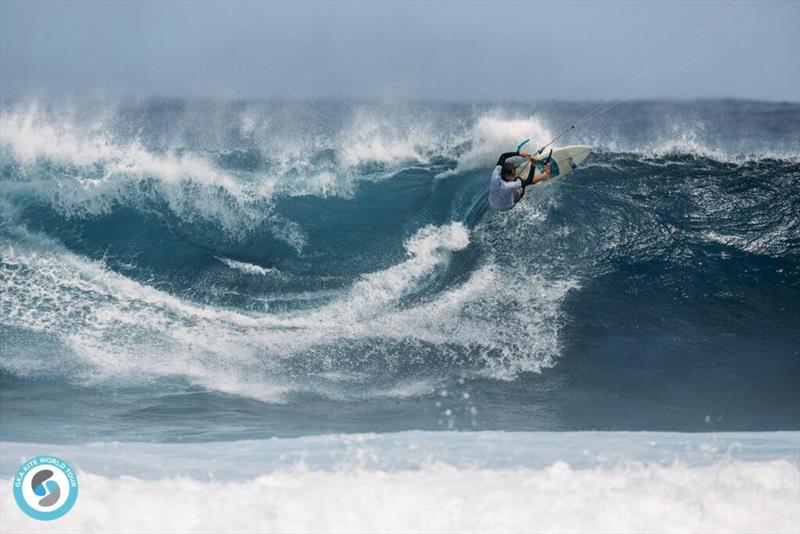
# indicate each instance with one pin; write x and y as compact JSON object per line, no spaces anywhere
{"x":269,"y":251}
{"x":90,"y":167}
{"x":135,"y":141}
{"x":120,"y":330}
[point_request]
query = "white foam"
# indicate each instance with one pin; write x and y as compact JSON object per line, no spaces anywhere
{"x":428,"y":482}
{"x":370,"y":138}
{"x":118,"y":329}
{"x":675,"y":142}
{"x":104,"y":170}
{"x":728,"y":497}
{"x":32,"y":135}
{"x":773,"y":242}
{"x":681,"y":140}
{"x":248,"y":267}
{"x":427,"y":249}
{"x":103,"y":173}
{"x":96,"y":171}
{"x":493,"y":134}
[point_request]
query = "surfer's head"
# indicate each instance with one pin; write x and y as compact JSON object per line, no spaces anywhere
{"x":507,"y":171}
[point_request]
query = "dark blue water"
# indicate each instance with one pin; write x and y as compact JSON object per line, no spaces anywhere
{"x":198,"y":270}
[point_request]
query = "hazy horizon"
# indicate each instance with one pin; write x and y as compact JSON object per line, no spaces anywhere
{"x":403,"y":51}
{"x":38,"y":98}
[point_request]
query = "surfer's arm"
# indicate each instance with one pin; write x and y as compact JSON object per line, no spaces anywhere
{"x":542,"y":176}
{"x":505,"y":156}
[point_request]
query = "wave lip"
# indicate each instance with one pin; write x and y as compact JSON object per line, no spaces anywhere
{"x":90,"y":167}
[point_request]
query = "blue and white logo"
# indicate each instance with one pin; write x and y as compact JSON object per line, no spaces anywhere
{"x":45,"y":487}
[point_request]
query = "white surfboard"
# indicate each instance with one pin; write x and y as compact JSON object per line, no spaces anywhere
{"x":563,"y":161}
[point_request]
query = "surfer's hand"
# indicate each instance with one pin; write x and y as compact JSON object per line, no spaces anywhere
{"x":524,"y":154}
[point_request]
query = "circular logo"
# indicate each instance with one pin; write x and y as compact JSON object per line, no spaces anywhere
{"x":45,"y":487}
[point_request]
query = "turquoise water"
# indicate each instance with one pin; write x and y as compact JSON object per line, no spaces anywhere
{"x":302,"y":316}
{"x":204,"y":271}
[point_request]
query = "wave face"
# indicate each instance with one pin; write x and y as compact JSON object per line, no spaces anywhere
{"x":196,"y":270}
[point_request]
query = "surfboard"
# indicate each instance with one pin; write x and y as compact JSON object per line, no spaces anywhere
{"x":563,"y":161}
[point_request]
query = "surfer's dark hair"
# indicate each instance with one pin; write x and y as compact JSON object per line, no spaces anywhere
{"x":508,"y":169}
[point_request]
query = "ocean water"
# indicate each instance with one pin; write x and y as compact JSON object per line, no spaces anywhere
{"x":432,"y":482}
{"x":300,"y":296}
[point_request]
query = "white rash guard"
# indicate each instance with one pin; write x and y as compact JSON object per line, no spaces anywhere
{"x":503,"y":195}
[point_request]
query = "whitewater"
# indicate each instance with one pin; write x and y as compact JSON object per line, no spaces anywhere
{"x":245,"y":306}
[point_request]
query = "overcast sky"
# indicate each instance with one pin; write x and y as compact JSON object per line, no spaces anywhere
{"x":484,"y":51}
